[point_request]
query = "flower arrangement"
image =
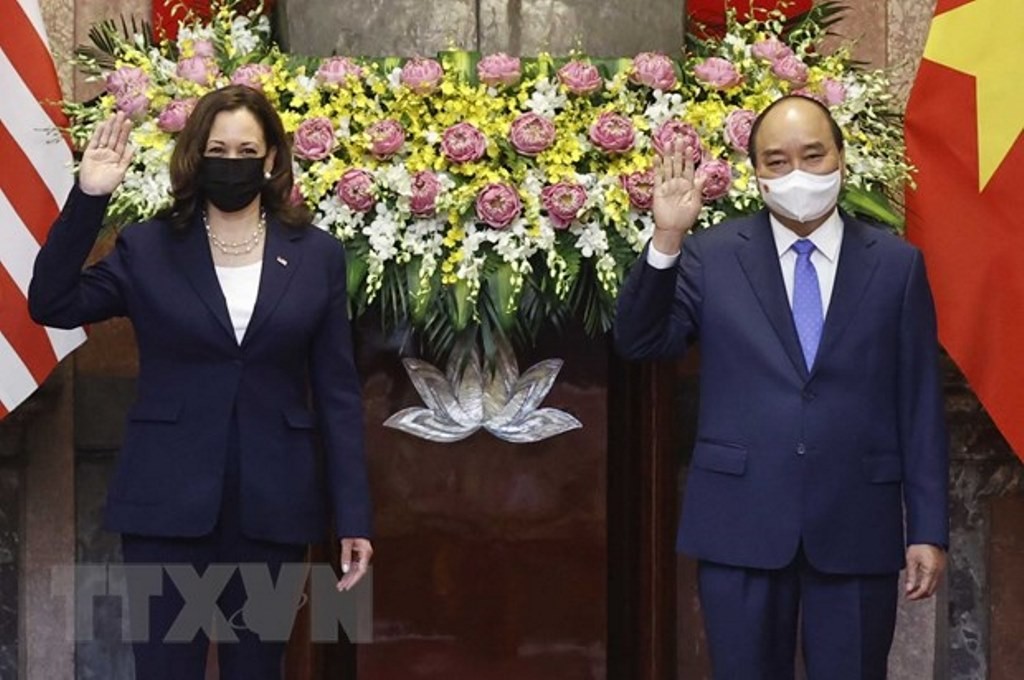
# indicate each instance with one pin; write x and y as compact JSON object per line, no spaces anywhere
{"x":494,"y":193}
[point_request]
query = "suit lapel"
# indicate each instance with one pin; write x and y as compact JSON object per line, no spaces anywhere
{"x":759,"y":259}
{"x":857,"y":264}
{"x":281,"y":258}
{"x":194,"y":258}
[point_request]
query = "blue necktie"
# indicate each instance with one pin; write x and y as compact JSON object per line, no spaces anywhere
{"x":807,"y":313}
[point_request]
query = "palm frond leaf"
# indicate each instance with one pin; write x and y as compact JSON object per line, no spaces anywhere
{"x":109,"y":40}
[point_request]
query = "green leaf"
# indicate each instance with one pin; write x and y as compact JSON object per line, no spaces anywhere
{"x":823,"y":15}
{"x":355,"y":270}
{"x":617,"y":66}
{"x":463,"y":310}
{"x":873,"y":204}
{"x":544,"y":67}
{"x":394,"y":298}
{"x":461,"y":64}
{"x":501,"y":290}
{"x":420,"y":301}
{"x":109,"y":41}
{"x":438,"y":334}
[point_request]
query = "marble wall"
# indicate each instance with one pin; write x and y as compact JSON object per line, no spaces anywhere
{"x":908,"y":22}
{"x":410,"y":27}
{"x":12,"y":432}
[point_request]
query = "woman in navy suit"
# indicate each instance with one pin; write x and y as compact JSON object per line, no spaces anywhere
{"x":245,"y":365}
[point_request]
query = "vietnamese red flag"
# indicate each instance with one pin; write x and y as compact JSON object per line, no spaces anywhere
{"x":167,"y":14}
{"x":707,"y":18}
{"x":964,"y":133}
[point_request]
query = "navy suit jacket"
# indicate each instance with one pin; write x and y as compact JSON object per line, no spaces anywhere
{"x":194,"y":377}
{"x":833,"y":458}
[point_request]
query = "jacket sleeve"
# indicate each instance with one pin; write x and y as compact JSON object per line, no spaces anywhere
{"x":61,"y":294}
{"x":923,"y":435}
{"x":658,"y":310}
{"x":338,"y":402}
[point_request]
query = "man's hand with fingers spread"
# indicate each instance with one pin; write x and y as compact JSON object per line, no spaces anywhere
{"x":678,"y":197}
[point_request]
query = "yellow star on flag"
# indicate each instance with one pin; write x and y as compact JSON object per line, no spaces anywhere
{"x":985,"y":39}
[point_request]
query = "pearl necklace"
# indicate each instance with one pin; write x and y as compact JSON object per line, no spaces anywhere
{"x":240,"y":247}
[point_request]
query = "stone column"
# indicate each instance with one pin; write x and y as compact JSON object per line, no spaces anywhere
{"x":605,"y":29}
{"x":374,"y":28}
{"x":1006,"y":564}
{"x":12,"y":432}
{"x":524,"y":27}
{"x":48,"y":540}
{"x":983,"y":469}
{"x":37,"y":486}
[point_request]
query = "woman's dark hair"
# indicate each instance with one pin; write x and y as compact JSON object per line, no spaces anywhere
{"x":191,"y":144}
{"x":837,"y":132}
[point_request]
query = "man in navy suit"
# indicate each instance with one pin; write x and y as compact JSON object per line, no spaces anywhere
{"x":820,"y":468}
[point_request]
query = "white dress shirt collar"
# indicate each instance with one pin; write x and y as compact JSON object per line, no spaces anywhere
{"x":826,"y":239}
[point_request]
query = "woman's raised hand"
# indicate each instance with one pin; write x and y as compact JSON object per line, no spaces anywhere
{"x":106,"y":157}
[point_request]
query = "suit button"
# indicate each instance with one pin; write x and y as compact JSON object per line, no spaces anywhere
{"x":237,"y":362}
{"x":808,"y":395}
{"x":801,"y":449}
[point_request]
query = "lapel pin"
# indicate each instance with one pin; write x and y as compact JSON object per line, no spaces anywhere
{"x":281,"y":261}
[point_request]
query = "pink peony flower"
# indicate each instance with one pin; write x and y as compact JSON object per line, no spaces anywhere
{"x":336,"y":70}
{"x":499,"y":69}
{"x":132,"y":104}
{"x":201,"y":70}
{"x":771,"y":49}
{"x":790,"y":69}
{"x":613,"y":132}
{"x":653,"y":69}
{"x":251,"y":75}
{"x":672,"y":130}
{"x":737,"y":128}
{"x":640,"y":187}
{"x":532,"y":133}
{"x":425,"y":188}
{"x":580,"y":77}
{"x":498,"y":205}
{"x":718,"y":73}
{"x":355,"y":189}
{"x":204,"y":48}
{"x":127,"y":80}
{"x":463,"y":143}
{"x":717,"y":176}
{"x":175,"y":114}
{"x":834,"y":91}
{"x":563,"y":201}
{"x":386,"y":138}
{"x":128,"y":84}
{"x":422,"y":76}
{"x":314,"y":139}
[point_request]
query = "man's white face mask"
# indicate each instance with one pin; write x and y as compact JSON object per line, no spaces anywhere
{"x":802,"y":196}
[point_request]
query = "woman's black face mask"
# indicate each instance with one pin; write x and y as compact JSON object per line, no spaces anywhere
{"x":231,"y":183}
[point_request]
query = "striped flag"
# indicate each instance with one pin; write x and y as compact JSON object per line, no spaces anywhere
{"x":35,"y":178}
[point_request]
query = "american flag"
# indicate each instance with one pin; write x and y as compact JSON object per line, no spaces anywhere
{"x":35,"y":178}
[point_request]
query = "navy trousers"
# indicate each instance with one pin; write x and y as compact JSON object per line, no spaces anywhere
{"x":250,"y":658}
{"x":751,"y":618}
